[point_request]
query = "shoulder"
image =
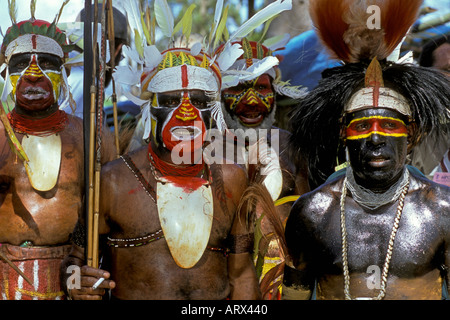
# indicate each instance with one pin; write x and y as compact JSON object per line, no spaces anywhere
{"x":231,"y":179}
{"x":116,"y":169}
{"x":429,"y":193}
{"x":316,"y":203}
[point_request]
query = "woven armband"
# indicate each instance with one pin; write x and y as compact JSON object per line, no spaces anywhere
{"x":78,"y":235}
{"x":241,"y":243}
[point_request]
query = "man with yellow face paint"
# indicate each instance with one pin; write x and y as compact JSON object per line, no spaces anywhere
{"x":42,"y":196}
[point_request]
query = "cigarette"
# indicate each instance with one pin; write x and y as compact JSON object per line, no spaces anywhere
{"x":99,"y":282}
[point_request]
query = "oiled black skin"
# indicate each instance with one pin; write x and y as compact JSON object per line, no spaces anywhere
{"x":421,"y":246}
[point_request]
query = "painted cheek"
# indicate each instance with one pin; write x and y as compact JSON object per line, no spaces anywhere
{"x":14,"y":80}
{"x":55,"y":79}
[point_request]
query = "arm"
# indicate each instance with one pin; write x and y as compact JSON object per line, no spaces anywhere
{"x":241,"y":270}
{"x":298,"y":279}
{"x":81,"y":289}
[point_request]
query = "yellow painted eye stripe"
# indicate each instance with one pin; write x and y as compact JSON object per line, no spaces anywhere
{"x":366,"y":135}
{"x":375,"y":117}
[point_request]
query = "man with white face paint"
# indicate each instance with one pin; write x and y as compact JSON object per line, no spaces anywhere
{"x":377,"y":229}
{"x":176,"y":225}
{"x":41,"y":172}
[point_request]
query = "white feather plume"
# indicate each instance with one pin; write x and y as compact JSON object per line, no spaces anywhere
{"x":217,"y":16}
{"x":277,"y":42}
{"x":152,"y":56}
{"x":164,"y":17}
{"x":261,"y":17}
{"x":229,"y":55}
{"x":260,"y":67}
{"x":132,"y":10}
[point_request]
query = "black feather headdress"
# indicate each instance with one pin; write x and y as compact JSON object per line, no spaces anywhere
{"x":316,"y":123}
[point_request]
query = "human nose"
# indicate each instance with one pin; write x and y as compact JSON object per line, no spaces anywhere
{"x":250,"y":97}
{"x":376,"y":138}
{"x":33,"y":73}
{"x":186,"y":111}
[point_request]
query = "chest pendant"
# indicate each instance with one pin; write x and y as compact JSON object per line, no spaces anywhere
{"x":186,"y":219}
{"x":44,"y":155}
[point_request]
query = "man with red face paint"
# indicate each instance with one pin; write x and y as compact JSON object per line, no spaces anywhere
{"x":169,"y":216}
{"x":249,"y":110}
{"x":41,"y":171}
{"x":377,"y":229}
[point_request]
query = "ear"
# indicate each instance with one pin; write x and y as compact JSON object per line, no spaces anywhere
{"x":412,"y":139}
{"x":343,"y":134}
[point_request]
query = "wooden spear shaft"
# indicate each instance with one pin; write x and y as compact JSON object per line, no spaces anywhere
{"x":100,"y":100}
{"x":112,"y":48}
{"x":92,"y":136}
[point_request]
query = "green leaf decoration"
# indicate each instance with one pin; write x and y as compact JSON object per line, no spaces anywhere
{"x":43,"y":29}
{"x":187,"y":21}
{"x":145,"y":29}
{"x":221,"y":27}
{"x":177,"y":27}
{"x":51,"y":32}
{"x":138,"y":43}
{"x":266,"y":28}
{"x":69,"y":47}
{"x":27,"y":27}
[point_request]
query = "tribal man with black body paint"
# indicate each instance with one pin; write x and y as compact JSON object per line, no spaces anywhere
{"x":249,"y":109}
{"x":377,"y":229}
{"x":41,"y":167}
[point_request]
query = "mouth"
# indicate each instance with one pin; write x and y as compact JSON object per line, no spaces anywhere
{"x":378,"y":161}
{"x":185,"y":133}
{"x":35,"y":93}
{"x":251,"y":118}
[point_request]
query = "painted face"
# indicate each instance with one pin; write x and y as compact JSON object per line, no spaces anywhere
{"x":36,"y":80}
{"x":181,"y":117}
{"x":250,"y":102}
{"x":377,"y":145}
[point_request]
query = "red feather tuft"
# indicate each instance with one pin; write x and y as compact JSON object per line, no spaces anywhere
{"x":396,"y":19}
{"x":327,"y":17}
{"x":342,"y":26}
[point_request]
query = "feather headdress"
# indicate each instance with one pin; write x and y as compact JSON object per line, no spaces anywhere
{"x":149,"y":60}
{"x":346,"y":30}
{"x":26,"y":36}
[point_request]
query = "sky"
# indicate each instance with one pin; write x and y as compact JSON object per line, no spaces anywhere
{"x":45,"y":10}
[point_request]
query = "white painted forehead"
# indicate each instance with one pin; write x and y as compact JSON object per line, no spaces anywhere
{"x":33,"y":43}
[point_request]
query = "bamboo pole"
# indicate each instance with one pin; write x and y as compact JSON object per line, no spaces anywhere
{"x":90,"y":247}
{"x":99,"y":122}
{"x":112,"y":54}
{"x":92,"y":140}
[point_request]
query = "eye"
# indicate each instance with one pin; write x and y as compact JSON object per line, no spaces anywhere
{"x":48,"y":65}
{"x":21,"y":64}
{"x":390,"y":125}
{"x":169,"y":101}
{"x":172,"y":102}
{"x":201,"y":104}
{"x":362,"y":126}
{"x":261,"y":87}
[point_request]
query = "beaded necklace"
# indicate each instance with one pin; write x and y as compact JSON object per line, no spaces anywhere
{"x":390,"y":245}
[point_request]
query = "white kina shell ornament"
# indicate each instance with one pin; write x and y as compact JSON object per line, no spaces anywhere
{"x":186,"y":220}
{"x":44,"y":154}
